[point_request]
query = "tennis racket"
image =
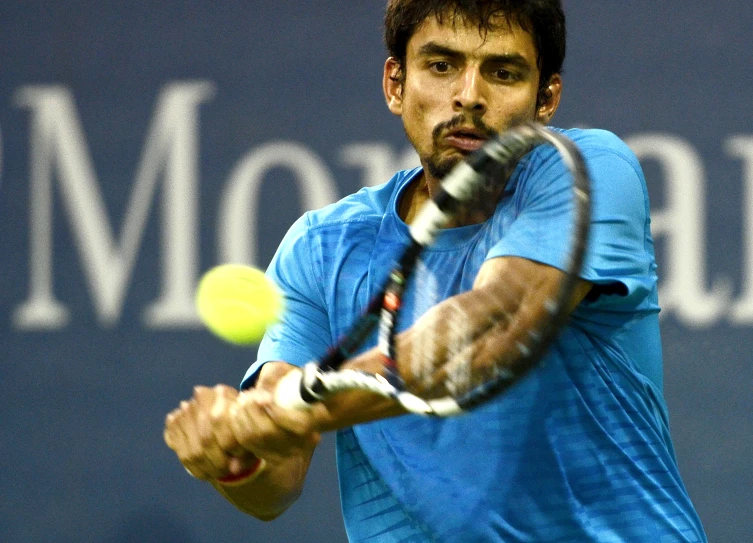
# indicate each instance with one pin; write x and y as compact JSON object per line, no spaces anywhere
{"x":489,"y":165}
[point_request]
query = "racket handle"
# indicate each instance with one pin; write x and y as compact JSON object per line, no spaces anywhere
{"x":288,"y":392}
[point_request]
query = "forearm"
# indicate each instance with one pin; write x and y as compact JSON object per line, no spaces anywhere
{"x":269,"y":494}
{"x":356,"y":407}
{"x":492,"y":328}
{"x":471,"y":335}
{"x":508,"y":301}
{"x":345,"y":409}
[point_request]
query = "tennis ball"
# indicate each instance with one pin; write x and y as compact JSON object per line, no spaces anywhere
{"x":238,"y":303}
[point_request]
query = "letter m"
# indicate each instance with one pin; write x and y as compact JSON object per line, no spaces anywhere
{"x":58,"y":151}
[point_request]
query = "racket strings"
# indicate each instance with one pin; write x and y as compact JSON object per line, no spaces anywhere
{"x":474,"y":338}
{"x":424,"y":346}
{"x":443,"y":356}
{"x":465,"y":350}
{"x":459,"y":338}
{"x":467,"y":365}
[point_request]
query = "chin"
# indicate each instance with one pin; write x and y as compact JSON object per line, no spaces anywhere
{"x":440,"y":167}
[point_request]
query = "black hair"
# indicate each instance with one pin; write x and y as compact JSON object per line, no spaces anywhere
{"x":544,"y":20}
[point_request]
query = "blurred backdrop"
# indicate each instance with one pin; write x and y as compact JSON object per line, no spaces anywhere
{"x":143,"y":142}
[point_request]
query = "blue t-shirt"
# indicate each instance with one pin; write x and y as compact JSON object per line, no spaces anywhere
{"x":579,"y":450}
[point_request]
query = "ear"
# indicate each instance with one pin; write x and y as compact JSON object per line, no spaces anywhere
{"x":549,"y":99}
{"x":393,"y":86}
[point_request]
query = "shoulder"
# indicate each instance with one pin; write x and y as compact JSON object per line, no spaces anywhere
{"x":369,"y":204}
{"x":354,"y":219}
{"x":592,"y":143}
{"x":612,"y":165}
{"x":614,"y":168}
{"x":594,"y":138}
{"x":602,"y":146}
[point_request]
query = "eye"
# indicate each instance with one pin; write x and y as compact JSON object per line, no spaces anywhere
{"x":505,"y":75}
{"x":440,"y":66}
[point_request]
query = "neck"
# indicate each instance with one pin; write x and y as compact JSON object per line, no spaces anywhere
{"x":415,"y":195}
{"x":422,"y":188}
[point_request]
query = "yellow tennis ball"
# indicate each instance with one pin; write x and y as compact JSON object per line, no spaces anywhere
{"x":238,"y":303}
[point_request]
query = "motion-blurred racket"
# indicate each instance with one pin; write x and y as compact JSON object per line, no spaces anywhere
{"x":465,"y":384}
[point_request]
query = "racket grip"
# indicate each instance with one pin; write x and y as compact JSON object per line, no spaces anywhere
{"x":288,"y":392}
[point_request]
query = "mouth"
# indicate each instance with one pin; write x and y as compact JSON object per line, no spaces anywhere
{"x":466,"y":139}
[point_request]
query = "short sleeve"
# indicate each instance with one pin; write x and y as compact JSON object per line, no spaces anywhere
{"x":304,"y":332}
{"x":619,"y":259}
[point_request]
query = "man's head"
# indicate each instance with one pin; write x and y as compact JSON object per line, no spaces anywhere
{"x":460,"y":70}
{"x":544,"y":20}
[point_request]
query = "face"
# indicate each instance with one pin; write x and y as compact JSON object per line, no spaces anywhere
{"x":461,"y":86}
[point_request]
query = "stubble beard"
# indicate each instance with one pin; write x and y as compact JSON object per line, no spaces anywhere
{"x":439,"y":166}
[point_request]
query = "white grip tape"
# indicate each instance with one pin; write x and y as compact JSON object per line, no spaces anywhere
{"x":428,"y":222}
{"x":288,"y":392}
{"x":461,"y":182}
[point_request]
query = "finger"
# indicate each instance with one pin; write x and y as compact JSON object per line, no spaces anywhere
{"x":214,"y":423}
{"x":257,"y":432}
{"x":170,"y":434}
{"x":211,"y":450}
{"x":220,"y":416}
{"x":206,"y":396}
{"x":300,"y":425}
{"x":243,"y":418}
{"x":178,"y":436}
{"x":251,"y":425}
{"x":203,"y":456}
{"x":175,"y":438}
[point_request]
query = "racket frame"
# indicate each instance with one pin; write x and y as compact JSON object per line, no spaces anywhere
{"x":322,"y":378}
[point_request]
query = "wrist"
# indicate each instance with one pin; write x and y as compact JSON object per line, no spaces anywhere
{"x":245,"y":476}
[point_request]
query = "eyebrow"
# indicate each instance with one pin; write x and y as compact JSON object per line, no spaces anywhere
{"x":433,"y":48}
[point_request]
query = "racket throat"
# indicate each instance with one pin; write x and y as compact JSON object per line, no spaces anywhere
{"x":312,"y":389}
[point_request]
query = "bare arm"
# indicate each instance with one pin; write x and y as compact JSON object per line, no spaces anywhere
{"x":221,"y":432}
{"x":507,"y":301}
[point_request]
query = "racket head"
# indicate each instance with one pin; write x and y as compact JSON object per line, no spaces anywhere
{"x":464,"y":385}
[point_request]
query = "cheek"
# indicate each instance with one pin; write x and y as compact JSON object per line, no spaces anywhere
{"x":418,"y":118}
{"x":414,"y":131}
{"x":514,"y":110}
{"x":424,"y":100}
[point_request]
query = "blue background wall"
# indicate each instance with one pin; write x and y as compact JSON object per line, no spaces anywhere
{"x":214,"y":99}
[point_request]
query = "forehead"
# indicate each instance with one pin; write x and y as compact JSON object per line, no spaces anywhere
{"x":504,"y":37}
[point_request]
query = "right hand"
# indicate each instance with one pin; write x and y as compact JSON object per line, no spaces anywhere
{"x":267,"y":430}
{"x":200,"y":433}
{"x":221,"y":432}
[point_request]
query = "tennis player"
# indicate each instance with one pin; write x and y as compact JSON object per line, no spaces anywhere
{"x":579,"y":449}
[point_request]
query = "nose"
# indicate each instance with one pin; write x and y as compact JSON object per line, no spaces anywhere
{"x":470,"y":95}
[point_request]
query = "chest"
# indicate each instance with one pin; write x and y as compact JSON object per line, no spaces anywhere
{"x":445,"y":269}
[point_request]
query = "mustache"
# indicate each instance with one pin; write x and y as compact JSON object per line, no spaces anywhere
{"x":463,"y":120}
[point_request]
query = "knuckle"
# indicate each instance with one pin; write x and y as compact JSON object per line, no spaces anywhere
{"x":199,"y":390}
{"x":219,"y":409}
{"x":223,"y":390}
{"x":227,"y":441}
{"x":206,"y":439}
{"x":170,"y":419}
{"x":188,"y":458}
